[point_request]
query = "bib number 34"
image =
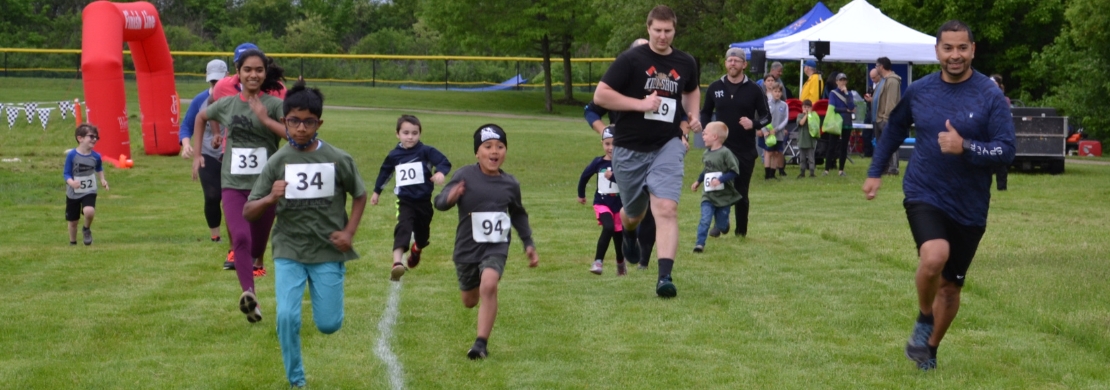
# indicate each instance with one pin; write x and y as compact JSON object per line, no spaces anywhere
{"x":309,"y":181}
{"x":490,"y":227}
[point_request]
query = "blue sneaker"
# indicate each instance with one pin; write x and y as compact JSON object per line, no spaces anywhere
{"x":917,"y":348}
{"x":631,"y":249}
{"x":665,"y":288}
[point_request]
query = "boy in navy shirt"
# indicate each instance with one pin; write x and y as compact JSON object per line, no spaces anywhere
{"x":413,"y":163}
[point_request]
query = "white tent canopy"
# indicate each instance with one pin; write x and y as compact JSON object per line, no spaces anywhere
{"x":859,"y":32}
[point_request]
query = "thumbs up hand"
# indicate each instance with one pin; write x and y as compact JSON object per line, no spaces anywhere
{"x":950,"y":140}
{"x":651,"y":102}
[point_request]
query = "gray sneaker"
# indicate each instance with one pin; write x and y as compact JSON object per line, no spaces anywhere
{"x":714,"y":232}
{"x":596,"y":268}
{"x":88,"y":235}
{"x":248,"y":304}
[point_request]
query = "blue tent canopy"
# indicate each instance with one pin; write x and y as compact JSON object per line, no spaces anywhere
{"x":816,"y":15}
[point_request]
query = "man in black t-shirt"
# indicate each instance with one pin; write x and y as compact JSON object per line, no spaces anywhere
{"x":741,"y":105}
{"x":652,"y":87}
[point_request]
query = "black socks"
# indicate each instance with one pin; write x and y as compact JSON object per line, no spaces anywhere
{"x":665,"y":266}
{"x":480,"y":342}
{"x":924,"y":319}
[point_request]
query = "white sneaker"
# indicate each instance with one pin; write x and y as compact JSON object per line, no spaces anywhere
{"x":596,"y":269}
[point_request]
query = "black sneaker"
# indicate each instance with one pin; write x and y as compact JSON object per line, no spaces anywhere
{"x":73,"y":243}
{"x":699,"y":248}
{"x":88,"y":235}
{"x":714,"y":232}
{"x":631,"y":249}
{"x":478,"y":351}
{"x":666,"y":289}
{"x":248,"y":304}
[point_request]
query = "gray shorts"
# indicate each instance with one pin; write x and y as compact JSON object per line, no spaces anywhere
{"x":639,"y":174}
{"x":470,"y":274}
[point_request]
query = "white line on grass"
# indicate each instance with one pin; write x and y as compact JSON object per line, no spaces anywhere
{"x":385,"y":332}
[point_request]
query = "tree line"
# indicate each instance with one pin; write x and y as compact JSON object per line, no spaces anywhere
{"x":1050,"y":52}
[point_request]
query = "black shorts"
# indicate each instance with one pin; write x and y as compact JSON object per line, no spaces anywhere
{"x":75,"y":207}
{"x":930,"y":223}
{"x":470,"y":274}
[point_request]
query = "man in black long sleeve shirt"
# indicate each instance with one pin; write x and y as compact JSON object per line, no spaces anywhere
{"x":741,"y":105}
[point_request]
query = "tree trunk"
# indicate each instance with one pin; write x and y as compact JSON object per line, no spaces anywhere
{"x":545,"y":47}
{"x":568,"y":76}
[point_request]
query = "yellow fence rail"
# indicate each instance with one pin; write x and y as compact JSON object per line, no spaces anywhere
{"x":437,"y":70}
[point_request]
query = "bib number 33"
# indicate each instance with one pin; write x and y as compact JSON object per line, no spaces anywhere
{"x":309,"y":181}
{"x":490,"y":227}
{"x":247,"y":161}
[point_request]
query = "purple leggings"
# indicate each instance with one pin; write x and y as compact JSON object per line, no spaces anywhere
{"x":248,"y":239}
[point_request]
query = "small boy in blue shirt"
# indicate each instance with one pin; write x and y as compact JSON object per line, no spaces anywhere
{"x":81,"y":165}
{"x":413,"y":163}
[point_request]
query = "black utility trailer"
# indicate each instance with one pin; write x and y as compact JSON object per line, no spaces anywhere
{"x":1040,"y":139}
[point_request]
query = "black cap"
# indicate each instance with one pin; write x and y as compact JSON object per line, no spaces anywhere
{"x":487,"y":132}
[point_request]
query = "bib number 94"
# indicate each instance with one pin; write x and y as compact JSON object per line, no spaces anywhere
{"x":490,"y":227}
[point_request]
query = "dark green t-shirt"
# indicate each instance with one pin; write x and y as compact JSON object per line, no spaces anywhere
{"x":723,"y":161}
{"x":308,"y":214}
{"x":249,"y":142}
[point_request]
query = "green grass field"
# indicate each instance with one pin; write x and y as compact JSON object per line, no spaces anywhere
{"x":820,"y":295}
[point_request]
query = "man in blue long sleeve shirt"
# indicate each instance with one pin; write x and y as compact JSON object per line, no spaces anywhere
{"x":964,"y":128}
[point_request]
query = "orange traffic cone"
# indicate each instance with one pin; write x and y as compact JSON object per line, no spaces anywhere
{"x":78,"y":113}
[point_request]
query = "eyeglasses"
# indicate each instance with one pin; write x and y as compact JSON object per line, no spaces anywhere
{"x":294,"y":122}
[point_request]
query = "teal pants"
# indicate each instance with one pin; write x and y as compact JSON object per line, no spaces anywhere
{"x":325,"y":287}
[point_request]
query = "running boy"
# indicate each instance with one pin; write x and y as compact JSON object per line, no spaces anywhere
{"x":809,"y":128}
{"x":81,"y":164}
{"x":721,"y":167}
{"x":308,"y":182}
{"x":413,"y":162}
{"x":607,"y":204}
{"x":489,"y":200}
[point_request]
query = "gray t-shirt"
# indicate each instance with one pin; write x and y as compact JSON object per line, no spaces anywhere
{"x":486,"y":209}
{"x":206,"y":142}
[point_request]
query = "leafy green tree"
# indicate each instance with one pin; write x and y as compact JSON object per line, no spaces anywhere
{"x":513,"y":28}
{"x":310,"y":35}
{"x":1075,"y":67}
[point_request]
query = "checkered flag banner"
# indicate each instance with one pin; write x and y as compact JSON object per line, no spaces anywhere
{"x":65,"y":106}
{"x":44,"y":116}
{"x":13,"y":112}
{"x":30,"y":109}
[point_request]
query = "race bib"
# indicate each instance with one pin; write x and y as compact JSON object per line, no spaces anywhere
{"x":490,"y":226}
{"x":247,"y":161}
{"x":606,"y":186}
{"x":309,"y":181}
{"x":665,"y":113}
{"x":409,"y":174}
{"x":86,"y":184}
{"x":709,"y":176}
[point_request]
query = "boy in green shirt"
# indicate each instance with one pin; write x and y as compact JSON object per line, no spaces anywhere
{"x":721,"y":167}
{"x":308,"y":182}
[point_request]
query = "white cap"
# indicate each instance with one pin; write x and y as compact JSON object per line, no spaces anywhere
{"x":217,"y":69}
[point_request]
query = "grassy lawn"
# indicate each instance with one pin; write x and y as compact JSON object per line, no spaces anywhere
{"x":820,"y":295}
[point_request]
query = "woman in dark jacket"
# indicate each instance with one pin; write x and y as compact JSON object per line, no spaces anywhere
{"x":840,"y":100}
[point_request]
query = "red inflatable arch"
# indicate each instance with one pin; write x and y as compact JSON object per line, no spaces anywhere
{"x":106,"y":27}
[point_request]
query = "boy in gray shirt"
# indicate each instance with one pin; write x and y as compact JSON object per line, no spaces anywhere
{"x":487,"y":206}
